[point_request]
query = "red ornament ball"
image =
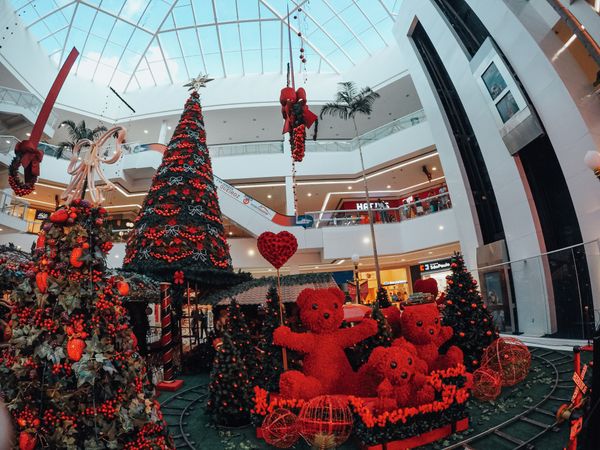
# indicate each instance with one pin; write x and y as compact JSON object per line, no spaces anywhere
{"x":510,"y":358}
{"x":326,"y":421}
{"x":487,"y":384}
{"x":280,"y":428}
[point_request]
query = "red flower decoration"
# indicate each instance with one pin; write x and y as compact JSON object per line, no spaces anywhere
{"x":277,"y":248}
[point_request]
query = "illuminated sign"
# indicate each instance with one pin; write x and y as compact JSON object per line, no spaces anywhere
{"x":435,"y":266}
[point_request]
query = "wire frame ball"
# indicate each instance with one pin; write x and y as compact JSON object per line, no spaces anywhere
{"x":326,"y":421}
{"x":487,"y":384}
{"x":510,"y":358}
{"x":280,"y":428}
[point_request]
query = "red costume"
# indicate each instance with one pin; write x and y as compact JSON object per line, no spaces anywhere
{"x":326,"y":369}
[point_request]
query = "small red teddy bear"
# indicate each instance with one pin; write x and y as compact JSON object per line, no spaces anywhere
{"x":326,"y":369}
{"x":422,"y":327}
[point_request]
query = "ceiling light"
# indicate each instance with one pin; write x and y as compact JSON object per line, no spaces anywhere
{"x":431,"y":253}
{"x":169,"y":127}
{"x":231,"y":233}
{"x":349,"y":188}
{"x":269,"y":196}
{"x":251,"y":252}
{"x":316,"y":267}
{"x":270,"y":270}
{"x":145,"y":131}
{"x":434,"y":168}
{"x":7,"y":141}
{"x":441,"y":227}
{"x":341,"y":261}
{"x":1,"y":229}
{"x":402,"y":260}
{"x":34,"y":192}
{"x":309,"y":195}
{"x":28,"y":134}
{"x":116,"y":256}
{"x":388,"y":186}
{"x":366,"y":240}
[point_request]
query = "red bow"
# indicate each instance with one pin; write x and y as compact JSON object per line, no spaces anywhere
{"x":179,"y":277}
{"x":288,"y":97}
{"x":31,"y":157}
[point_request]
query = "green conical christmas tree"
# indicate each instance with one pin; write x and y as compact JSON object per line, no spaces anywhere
{"x":229,"y":400}
{"x":71,"y":375}
{"x":238,"y":330}
{"x":360,"y":353}
{"x":179,"y":227}
{"x":272,"y":359}
{"x":465,"y":312}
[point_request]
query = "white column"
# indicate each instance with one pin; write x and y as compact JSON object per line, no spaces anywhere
{"x":162,"y":135}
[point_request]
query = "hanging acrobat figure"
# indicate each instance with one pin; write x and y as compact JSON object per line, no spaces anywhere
{"x":297,"y":118}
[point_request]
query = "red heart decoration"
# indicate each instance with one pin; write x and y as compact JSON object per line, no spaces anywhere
{"x":277,"y":248}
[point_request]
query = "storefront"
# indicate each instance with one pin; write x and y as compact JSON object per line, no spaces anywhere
{"x":437,"y":270}
{"x":395,"y":282}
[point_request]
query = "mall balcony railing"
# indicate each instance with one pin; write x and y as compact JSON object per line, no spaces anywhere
{"x":407,"y":211}
{"x":14,"y":206}
{"x":25,"y":100}
{"x":402,"y":123}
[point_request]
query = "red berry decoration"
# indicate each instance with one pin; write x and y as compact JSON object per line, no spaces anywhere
{"x":59,"y":216}
{"x":75,"y":349}
{"x":487,"y":384}
{"x":280,"y":428}
{"x":510,"y":358}
{"x":326,"y":421}
{"x":27,"y":441}
{"x":76,"y":253}
{"x":277,"y":248}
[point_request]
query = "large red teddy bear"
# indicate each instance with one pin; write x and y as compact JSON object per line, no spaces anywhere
{"x":326,"y":369}
{"x":429,"y":286}
{"x":422,"y":327}
{"x":397,"y":376}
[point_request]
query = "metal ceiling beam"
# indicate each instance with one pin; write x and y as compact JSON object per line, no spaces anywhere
{"x":295,"y":8}
{"x":371,"y":23}
{"x":162,"y":53}
{"x":87,"y":36}
{"x":52,"y":34}
{"x":237,"y":15}
{"x":347,"y":26}
{"x":117,"y":16}
{"x":295,"y":30}
{"x":326,"y":33}
{"x":262,"y":58}
{"x":198,"y":37}
{"x":39,"y":19}
{"x":164,"y":19}
{"x":62,"y":54}
{"x":182,"y":57}
{"x":106,"y":43}
{"x":214,"y":5}
{"x":226,"y":22}
{"x":389,"y":13}
{"x":112,"y":75}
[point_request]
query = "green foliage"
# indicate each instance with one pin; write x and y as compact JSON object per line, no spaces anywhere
{"x":77,"y":132}
{"x":465,"y":312}
{"x":349,"y":101}
{"x":272,"y":362}
{"x":360,"y":353}
{"x":99,"y":398}
{"x":229,"y":400}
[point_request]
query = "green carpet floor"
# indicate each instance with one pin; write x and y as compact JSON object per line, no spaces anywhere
{"x":482,"y":417}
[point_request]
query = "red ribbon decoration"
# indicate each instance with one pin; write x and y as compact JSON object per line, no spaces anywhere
{"x":26,"y":152}
{"x":178,"y":277}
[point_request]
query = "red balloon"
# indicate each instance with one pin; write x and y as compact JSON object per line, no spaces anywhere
{"x":277,"y":248}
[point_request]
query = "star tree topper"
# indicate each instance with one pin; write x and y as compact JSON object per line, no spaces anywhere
{"x":199,"y":82}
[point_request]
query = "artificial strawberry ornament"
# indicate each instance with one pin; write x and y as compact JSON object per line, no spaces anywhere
{"x":123,"y":288}
{"x":41,"y":280}
{"x":75,"y":349}
{"x":76,"y":253}
{"x":27,"y":441}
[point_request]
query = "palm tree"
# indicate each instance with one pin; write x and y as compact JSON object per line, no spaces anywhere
{"x":77,"y":132}
{"x":349,"y":102}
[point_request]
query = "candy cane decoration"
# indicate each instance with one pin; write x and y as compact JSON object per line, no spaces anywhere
{"x":88,"y":167}
{"x":166,"y":340}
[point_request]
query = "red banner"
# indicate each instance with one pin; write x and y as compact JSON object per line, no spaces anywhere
{"x":364,"y":289}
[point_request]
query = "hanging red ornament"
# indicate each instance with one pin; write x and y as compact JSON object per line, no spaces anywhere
{"x":27,"y":441}
{"x":280,"y":428}
{"x":123,"y":288}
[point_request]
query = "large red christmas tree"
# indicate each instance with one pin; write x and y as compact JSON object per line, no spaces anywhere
{"x":178,"y":233}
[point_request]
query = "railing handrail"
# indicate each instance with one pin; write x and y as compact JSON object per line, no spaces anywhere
{"x":31,"y":107}
{"x":395,"y":208}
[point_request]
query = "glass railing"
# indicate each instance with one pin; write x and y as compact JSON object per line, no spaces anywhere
{"x":14,"y":206}
{"x":7,"y":144}
{"x":248,"y":148}
{"x":407,"y":211}
{"x":388,"y":129}
{"x":25,"y":100}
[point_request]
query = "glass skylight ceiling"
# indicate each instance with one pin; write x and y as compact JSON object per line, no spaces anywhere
{"x":131,"y":44}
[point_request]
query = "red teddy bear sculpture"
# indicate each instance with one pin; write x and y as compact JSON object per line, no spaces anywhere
{"x":397,"y":376}
{"x":422,"y":327}
{"x":326,"y":369}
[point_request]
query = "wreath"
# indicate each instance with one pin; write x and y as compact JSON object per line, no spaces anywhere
{"x":29,"y":157}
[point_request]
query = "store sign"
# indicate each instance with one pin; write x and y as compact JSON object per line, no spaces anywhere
{"x":244,"y":199}
{"x":305,"y":221}
{"x":41,"y":215}
{"x":374,"y":205}
{"x":391,"y":283}
{"x":435,"y":266}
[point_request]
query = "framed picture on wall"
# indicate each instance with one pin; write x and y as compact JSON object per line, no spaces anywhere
{"x":493,"y":81}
